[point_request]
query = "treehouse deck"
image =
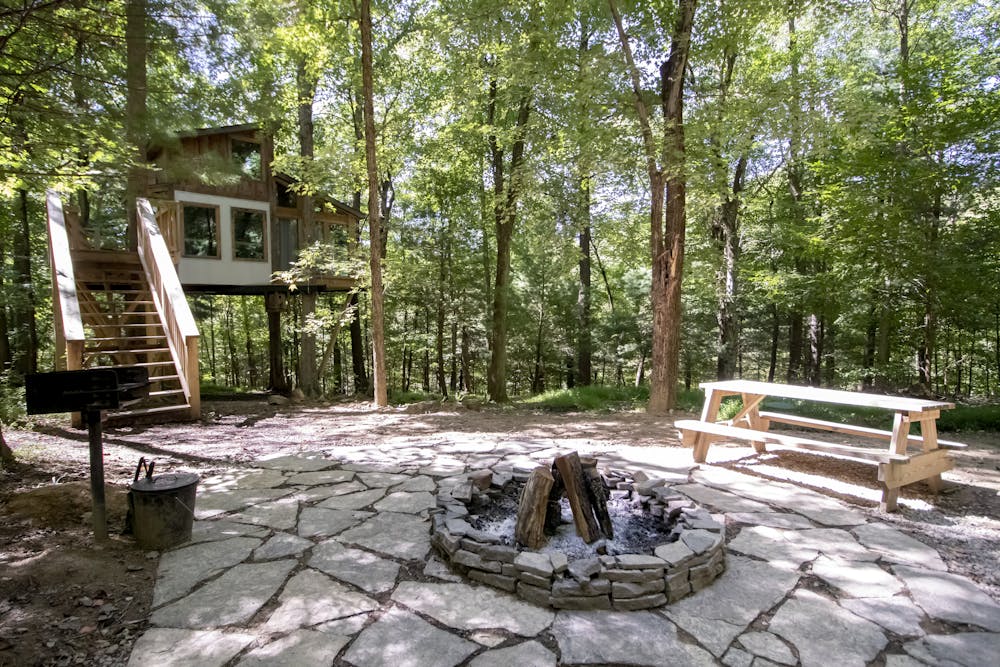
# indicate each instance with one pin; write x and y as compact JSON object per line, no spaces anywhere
{"x":115,"y":308}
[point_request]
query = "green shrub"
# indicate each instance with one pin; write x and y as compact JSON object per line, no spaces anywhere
{"x":12,"y":406}
{"x":593,"y":398}
{"x":404,"y":397}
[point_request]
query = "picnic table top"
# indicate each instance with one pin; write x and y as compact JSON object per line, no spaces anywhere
{"x":856,"y":398}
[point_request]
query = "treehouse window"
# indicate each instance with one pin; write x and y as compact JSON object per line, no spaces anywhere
{"x":246,"y":155}
{"x":201,"y":231}
{"x":248,"y":234}
{"x":286,"y":196}
{"x":288,"y":243}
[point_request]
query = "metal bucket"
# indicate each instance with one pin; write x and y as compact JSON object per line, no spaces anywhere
{"x":162,"y":507}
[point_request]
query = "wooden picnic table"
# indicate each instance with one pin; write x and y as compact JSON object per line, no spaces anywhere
{"x":908,"y":458}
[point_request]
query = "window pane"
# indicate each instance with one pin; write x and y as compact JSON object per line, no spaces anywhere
{"x":248,"y":234}
{"x":200,"y":232}
{"x":288,"y":242}
{"x":246,"y":155}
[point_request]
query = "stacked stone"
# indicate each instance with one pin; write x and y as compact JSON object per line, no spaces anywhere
{"x":692,"y":557}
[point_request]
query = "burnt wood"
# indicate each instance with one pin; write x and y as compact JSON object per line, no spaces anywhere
{"x":531,"y":506}
{"x":579,"y":500}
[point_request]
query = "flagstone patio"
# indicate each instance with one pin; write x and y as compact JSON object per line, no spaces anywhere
{"x":324,"y":558}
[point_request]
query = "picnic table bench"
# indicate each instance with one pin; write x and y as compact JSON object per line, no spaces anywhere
{"x":908,"y":458}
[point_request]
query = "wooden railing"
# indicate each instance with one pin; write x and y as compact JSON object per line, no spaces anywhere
{"x":168,"y":297}
{"x":168,"y":220}
{"x":69,"y":323}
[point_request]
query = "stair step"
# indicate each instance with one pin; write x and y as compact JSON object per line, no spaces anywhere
{"x":122,"y":339}
{"x":142,"y":412}
{"x":138,"y":350}
{"x":164,"y":378}
{"x":148,"y":364}
{"x":165,"y":392}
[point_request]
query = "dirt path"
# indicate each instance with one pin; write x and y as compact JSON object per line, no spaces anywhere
{"x":62,"y":601}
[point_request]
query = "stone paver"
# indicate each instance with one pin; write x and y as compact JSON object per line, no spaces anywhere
{"x":322,"y":522}
{"x":769,"y":646}
{"x":527,"y":654}
{"x":895,"y":614}
{"x":322,"y":477}
{"x":281,"y":514}
{"x":212,"y":530}
{"x":229,"y":600}
{"x":302,"y":647}
{"x":721,"y":612}
{"x":181,"y":570}
{"x":970,"y":649}
{"x":170,"y":647}
{"x":857,"y":580}
{"x":208,"y":505}
{"x":781,"y":548}
{"x":820,"y":631}
{"x":361,"y":568}
{"x":402,"y":639}
{"x":281,"y":545}
{"x":817,"y":507}
{"x":720,"y":501}
{"x":297,"y":463}
{"x":405,"y":501}
{"x":471,"y":607}
{"x":949,"y":597}
{"x":786,"y":520}
{"x":394,"y":534}
{"x":300,"y":535}
{"x":311,"y":598}
{"x":353,"y":501}
{"x":631,"y":638}
{"x":898,"y":547}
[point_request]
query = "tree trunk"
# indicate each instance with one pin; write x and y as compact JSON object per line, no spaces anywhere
{"x":815,"y":335}
{"x":4,"y":331}
{"x":794,"y":347}
{"x":726,"y":233}
{"x":273,"y":303}
{"x":466,"y":360}
{"x":248,"y":343}
{"x":306,"y":83}
{"x":136,"y":131}
{"x":374,"y":216}
{"x":667,"y":181}
{"x":538,"y":375}
{"x":6,"y":454}
{"x":25,"y":346}
{"x":772,"y":366}
{"x":506,"y":192}
{"x":585,"y":342}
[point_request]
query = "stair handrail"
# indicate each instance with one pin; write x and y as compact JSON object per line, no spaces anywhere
{"x":69,"y":322}
{"x":168,"y":297}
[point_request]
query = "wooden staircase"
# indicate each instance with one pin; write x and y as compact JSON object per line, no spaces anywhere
{"x":111,"y":311}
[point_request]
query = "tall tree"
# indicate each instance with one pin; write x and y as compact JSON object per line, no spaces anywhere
{"x":665,"y":167}
{"x":374,"y":213}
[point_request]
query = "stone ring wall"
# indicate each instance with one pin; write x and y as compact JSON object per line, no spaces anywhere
{"x":691,"y":557}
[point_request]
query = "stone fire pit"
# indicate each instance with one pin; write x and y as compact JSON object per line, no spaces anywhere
{"x":689,"y":556}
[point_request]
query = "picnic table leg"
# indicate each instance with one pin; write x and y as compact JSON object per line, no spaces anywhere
{"x":751,"y":408}
{"x":928,"y":429}
{"x":897,"y":445}
{"x":709,"y":413}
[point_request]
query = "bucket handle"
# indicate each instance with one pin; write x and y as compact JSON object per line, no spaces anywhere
{"x":142,"y":465}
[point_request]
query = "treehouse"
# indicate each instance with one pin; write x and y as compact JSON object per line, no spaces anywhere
{"x":214,"y":220}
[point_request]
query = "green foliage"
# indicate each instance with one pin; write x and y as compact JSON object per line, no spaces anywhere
{"x":12,"y":405}
{"x":589,"y":399}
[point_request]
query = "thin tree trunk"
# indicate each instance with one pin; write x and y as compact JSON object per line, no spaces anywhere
{"x":466,"y":360}
{"x":794,"y":347}
{"x":374,"y":216}
{"x":277,"y":382}
{"x":306,"y":86}
{"x":4,"y":331}
{"x":772,"y":366}
{"x":248,"y":343}
{"x":585,"y":342}
{"x":815,"y":335}
{"x":26,"y":332}
{"x":136,"y":48}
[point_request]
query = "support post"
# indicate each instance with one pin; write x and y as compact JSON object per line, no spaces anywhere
{"x":98,"y":507}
